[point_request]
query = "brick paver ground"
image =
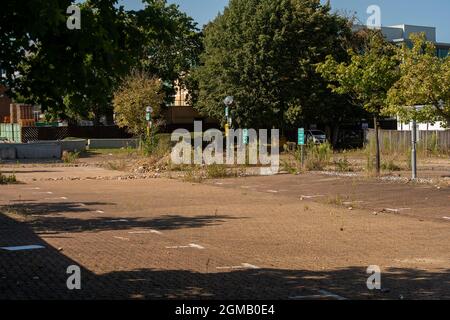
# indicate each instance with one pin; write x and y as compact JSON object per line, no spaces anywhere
{"x":159,"y":239}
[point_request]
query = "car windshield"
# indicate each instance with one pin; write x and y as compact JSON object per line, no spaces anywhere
{"x":317,"y":133}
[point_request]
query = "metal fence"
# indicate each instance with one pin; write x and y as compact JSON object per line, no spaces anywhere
{"x":400,"y":141}
{"x":17,"y":133}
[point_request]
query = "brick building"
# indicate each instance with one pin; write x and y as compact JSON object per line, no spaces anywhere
{"x":5,"y":101}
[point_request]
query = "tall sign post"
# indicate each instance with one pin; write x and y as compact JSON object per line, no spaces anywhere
{"x":301,"y":142}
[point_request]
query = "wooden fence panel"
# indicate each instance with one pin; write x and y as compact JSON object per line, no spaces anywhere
{"x":400,"y":141}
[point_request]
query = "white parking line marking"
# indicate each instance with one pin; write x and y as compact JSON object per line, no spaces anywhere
{"x":196,"y":246}
{"x":311,"y":197}
{"x":48,"y":192}
{"x":60,"y":198}
{"x":242,"y":266}
{"x":122,"y":238}
{"x":23,"y":248}
{"x":331,"y":295}
{"x":323,"y":294}
{"x":397,"y":210}
{"x":36,"y":188}
{"x":145,"y":232}
{"x":310,"y":297}
{"x":272,"y":191}
{"x":192,"y":245}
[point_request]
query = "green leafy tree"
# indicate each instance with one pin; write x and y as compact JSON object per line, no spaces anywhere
{"x":263,"y":52}
{"x":21,"y":25}
{"x":170,"y":43}
{"x":137,"y":91}
{"x":366,"y":78}
{"x":74,"y":73}
{"x":425,"y":81}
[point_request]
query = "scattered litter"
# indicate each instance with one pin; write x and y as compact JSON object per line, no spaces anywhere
{"x":60,"y":198}
{"x":100,"y":211}
{"x":446,"y":218}
{"x":272,"y":191}
{"x":60,"y":249}
{"x":23,"y":248}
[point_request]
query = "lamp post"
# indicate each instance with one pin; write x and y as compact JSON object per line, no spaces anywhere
{"x":229,"y":100}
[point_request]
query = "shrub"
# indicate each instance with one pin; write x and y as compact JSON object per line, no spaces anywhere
{"x":70,"y":157}
{"x":157,"y":145}
{"x":214,"y":171}
{"x":318,"y":156}
{"x":7,"y":179}
{"x":390,"y":166}
{"x":193,"y":174}
{"x":136,"y":92}
{"x":343,"y":165}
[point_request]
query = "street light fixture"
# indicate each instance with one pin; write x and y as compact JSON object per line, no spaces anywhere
{"x":229,"y":100}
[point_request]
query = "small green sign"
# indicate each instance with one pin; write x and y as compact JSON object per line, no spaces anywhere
{"x":245,"y":136}
{"x":148,"y":116}
{"x":301,"y":136}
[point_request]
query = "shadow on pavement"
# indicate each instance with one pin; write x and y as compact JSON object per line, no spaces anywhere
{"x":49,"y":217}
{"x":41,"y":274}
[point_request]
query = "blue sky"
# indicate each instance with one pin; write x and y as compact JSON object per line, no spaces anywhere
{"x":435,"y":13}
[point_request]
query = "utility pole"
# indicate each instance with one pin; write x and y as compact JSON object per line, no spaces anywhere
{"x":414,"y":149}
{"x":377,"y":142}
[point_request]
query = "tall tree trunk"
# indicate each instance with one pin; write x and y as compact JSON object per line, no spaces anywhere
{"x":377,"y":143}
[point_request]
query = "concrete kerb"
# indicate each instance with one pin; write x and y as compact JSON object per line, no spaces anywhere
{"x":78,"y":145}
